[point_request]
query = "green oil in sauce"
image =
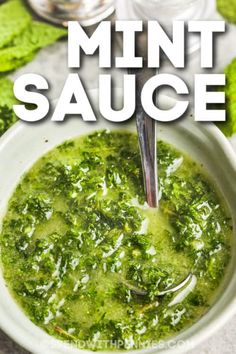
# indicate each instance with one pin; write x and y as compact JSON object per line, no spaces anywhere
{"x":78,"y":242}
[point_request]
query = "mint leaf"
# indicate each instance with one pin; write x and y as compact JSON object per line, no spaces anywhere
{"x":227,"y":8}
{"x":14,"y":18}
{"x":7,"y":99}
{"x":229,"y":127}
{"x":24,"y":47}
{"x":21,"y":37}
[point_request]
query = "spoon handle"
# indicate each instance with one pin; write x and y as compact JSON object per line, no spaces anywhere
{"x":146,"y":129}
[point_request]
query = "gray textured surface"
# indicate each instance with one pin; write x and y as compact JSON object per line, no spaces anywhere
{"x":52,"y":63}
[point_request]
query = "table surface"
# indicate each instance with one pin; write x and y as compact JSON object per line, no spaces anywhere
{"x":52,"y":64}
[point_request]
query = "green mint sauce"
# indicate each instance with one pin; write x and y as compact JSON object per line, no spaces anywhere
{"x":78,"y":238}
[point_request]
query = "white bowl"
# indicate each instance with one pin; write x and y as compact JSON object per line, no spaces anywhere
{"x":23,"y":144}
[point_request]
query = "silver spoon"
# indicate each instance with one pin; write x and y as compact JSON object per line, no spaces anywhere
{"x":146,"y":129}
{"x":177,"y":287}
